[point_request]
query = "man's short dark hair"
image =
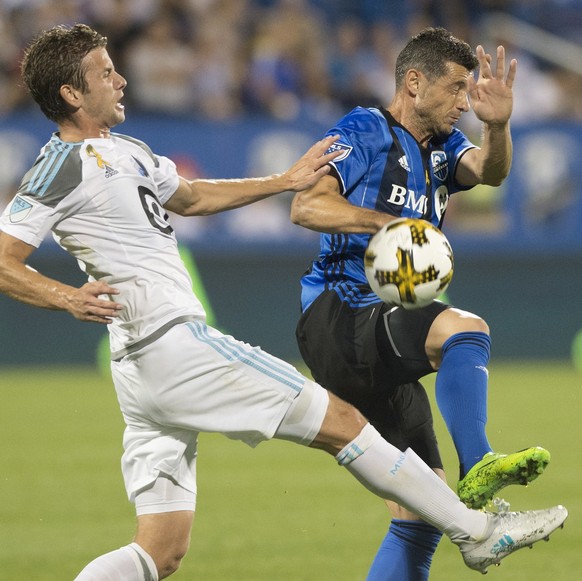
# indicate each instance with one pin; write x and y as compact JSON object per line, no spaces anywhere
{"x":53,"y":59}
{"x":430,"y":51}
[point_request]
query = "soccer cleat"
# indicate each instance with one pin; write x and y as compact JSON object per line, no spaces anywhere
{"x":495,"y":471}
{"x":509,"y":531}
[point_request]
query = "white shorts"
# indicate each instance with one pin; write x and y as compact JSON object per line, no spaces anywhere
{"x":195,"y":379}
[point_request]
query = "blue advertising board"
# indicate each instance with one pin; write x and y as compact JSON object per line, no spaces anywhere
{"x":537,"y":209}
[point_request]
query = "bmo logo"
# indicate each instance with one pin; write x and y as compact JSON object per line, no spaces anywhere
{"x":418,"y":203}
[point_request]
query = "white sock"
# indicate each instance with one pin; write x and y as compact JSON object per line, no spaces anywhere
{"x":406,"y":479}
{"x":130,"y":563}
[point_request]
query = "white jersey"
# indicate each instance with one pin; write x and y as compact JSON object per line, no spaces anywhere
{"x":102,"y":199}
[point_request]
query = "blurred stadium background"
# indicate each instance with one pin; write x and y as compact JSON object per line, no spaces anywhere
{"x":232,"y":88}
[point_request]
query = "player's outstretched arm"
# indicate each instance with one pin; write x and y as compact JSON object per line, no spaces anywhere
{"x":322,"y":208}
{"x":203,"y":197}
{"x":29,"y":286}
{"x":492,"y":101}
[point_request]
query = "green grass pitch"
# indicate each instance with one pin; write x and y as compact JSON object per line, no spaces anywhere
{"x":276,"y":513}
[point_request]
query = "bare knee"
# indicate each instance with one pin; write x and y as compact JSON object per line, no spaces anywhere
{"x":166,"y":538}
{"x":167,"y":557}
{"x":447,"y":324}
{"x":170,"y":561}
{"x":342,"y":423}
{"x":454,"y":321}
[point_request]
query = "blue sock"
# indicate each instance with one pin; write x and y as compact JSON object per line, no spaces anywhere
{"x":461,"y":394}
{"x":406,"y":552}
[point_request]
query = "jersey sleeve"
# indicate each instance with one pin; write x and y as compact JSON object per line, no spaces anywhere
{"x":166,"y":178}
{"x":457,"y":145}
{"x":361,"y":136}
{"x":27,"y":219}
{"x":45,"y":193}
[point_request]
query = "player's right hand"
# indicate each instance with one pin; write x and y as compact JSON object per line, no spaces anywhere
{"x":88,"y":303}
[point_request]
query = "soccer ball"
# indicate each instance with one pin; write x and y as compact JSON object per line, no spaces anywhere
{"x":409,"y":263}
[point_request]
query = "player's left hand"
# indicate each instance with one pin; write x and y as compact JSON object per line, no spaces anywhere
{"x":312,"y":165}
{"x":491,"y":93}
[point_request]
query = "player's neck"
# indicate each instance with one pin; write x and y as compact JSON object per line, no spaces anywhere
{"x":408,"y":118}
{"x":73,"y":132}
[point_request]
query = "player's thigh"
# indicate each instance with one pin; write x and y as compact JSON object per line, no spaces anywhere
{"x":194,"y":378}
{"x":372,"y":357}
{"x":337,"y":342}
{"x":358,"y":353}
{"x":401,"y":340}
{"x":404,"y":418}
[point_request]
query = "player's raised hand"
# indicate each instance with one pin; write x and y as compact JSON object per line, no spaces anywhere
{"x":312,"y":165}
{"x":491,"y":93}
{"x":87,"y":303}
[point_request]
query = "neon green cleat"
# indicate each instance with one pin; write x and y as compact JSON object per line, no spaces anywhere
{"x":496,"y":471}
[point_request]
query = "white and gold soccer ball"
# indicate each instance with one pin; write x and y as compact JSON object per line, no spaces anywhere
{"x":409,"y":263}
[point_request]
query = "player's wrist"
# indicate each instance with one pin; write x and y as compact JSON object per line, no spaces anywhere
{"x":496,"y":125}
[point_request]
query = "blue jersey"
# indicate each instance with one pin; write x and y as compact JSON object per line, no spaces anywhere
{"x":382,"y":168}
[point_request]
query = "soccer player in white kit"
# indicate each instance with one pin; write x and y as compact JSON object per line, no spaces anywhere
{"x":104,"y":197}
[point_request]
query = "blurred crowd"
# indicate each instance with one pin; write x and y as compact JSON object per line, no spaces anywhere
{"x":219,"y":59}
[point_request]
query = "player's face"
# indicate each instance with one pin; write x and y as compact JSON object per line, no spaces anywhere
{"x":441,"y":102}
{"x":101,"y":103}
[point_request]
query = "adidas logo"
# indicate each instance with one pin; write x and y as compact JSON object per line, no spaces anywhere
{"x":503,"y":545}
{"x":101,"y":163}
{"x":404,"y":163}
{"x":109,"y":171}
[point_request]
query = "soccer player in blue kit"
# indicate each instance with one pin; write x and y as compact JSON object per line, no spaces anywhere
{"x":405,"y":161}
{"x":104,"y":197}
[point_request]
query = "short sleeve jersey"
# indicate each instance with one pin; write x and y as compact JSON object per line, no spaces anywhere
{"x":103,"y":201}
{"x":382,"y":167}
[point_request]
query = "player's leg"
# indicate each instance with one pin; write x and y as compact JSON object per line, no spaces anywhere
{"x":381,"y":467}
{"x":458,"y":345}
{"x":166,"y":538}
{"x":165,"y":513}
{"x":339,"y":345}
{"x":161,"y":540}
{"x":129,"y":563}
{"x":405,"y":478}
{"x":164,"y":505}
{"x":407,"y":550}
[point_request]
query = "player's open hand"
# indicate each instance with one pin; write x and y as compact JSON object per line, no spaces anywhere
{"x":491,"y":93}
{"x":88,"y":303}
{"x":312,"y":165}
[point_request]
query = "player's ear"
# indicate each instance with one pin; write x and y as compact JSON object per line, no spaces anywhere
{"x":70,"y":95}
{"x":412,"y":80}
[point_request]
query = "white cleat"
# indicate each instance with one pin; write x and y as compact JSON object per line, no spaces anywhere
{"x":509,"y":531}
